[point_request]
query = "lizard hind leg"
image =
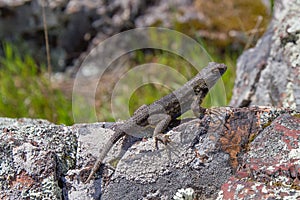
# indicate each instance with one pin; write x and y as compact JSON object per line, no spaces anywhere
{"x":161,"y":122}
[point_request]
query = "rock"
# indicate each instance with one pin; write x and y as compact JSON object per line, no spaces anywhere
{"x":162,"y":13}
{"x":202,"y":156}
{"x":43,"y":160}
{"x":269,"y":73}
{"x":34,"y":157}
{"x":12,"y":2}
{"x":271,"y":167}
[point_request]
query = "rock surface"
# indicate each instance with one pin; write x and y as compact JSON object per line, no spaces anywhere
{"x":269,"y":74}
{"x":220,"y":151}
{"x":34,"y":156}
{"x":271,"y":167}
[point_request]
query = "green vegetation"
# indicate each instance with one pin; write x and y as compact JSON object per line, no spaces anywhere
{"x":25,"y":89}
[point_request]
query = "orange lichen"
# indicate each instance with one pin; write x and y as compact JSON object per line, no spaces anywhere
{"x":238,"y":134}
{"x":23,"y":180}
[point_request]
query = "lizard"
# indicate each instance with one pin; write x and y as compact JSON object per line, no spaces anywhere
{"x":161,"y":112}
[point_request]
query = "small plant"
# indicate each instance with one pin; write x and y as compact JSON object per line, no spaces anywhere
{"x":25,"y":90}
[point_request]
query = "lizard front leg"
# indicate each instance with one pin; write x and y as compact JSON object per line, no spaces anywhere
{"x":196,"y":107}
{"x":161,"y":122}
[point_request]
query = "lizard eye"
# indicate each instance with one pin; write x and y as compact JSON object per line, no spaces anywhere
{"x":216,"y":71}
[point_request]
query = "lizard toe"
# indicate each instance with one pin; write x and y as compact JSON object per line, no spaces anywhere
{"x":163,"y":138}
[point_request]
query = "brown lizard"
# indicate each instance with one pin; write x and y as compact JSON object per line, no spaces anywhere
{"x":161,"y":112}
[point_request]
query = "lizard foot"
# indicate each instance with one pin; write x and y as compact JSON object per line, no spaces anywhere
{"x":163,"y":138}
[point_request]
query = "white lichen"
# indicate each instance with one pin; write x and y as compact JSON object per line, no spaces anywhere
{"x":295,"y":154}
{"x":184,"y":194}
{"x":289,"y":101}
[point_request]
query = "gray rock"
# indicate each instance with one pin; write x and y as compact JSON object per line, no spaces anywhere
{"x":269,"y":74}
{"x":203,"y":154}
{"x":162,"y":13}
{"x":270,"y":169}
{"x":41,"y":160}
{"x":33,"y":158}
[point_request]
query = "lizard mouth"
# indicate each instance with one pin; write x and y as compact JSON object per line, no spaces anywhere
{"x":222,"y":69}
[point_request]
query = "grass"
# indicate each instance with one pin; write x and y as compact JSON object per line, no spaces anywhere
{"x":26,"y":91}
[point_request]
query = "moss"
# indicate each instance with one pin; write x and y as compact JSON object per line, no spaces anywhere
{"x":114,"y":162}
{"x":296,"y":115}
{"x":266,"y":124}
{"x":278,"y":184}
{"x":295,"y":186}
{"x":252,"y":137}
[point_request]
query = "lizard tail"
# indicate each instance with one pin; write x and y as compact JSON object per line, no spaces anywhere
{"x":115,"y":137}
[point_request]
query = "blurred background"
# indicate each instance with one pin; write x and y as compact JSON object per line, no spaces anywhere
{"x":35,"y":85}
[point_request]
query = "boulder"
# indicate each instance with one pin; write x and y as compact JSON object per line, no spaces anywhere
{"x":269,"y":74}
{"x":207,"y":158}
{"x":271,"y":167}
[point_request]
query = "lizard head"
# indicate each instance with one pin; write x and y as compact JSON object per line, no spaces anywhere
{"x":214,"y":68}
{"x":206,"y":78}
{"x":212,"y":72}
